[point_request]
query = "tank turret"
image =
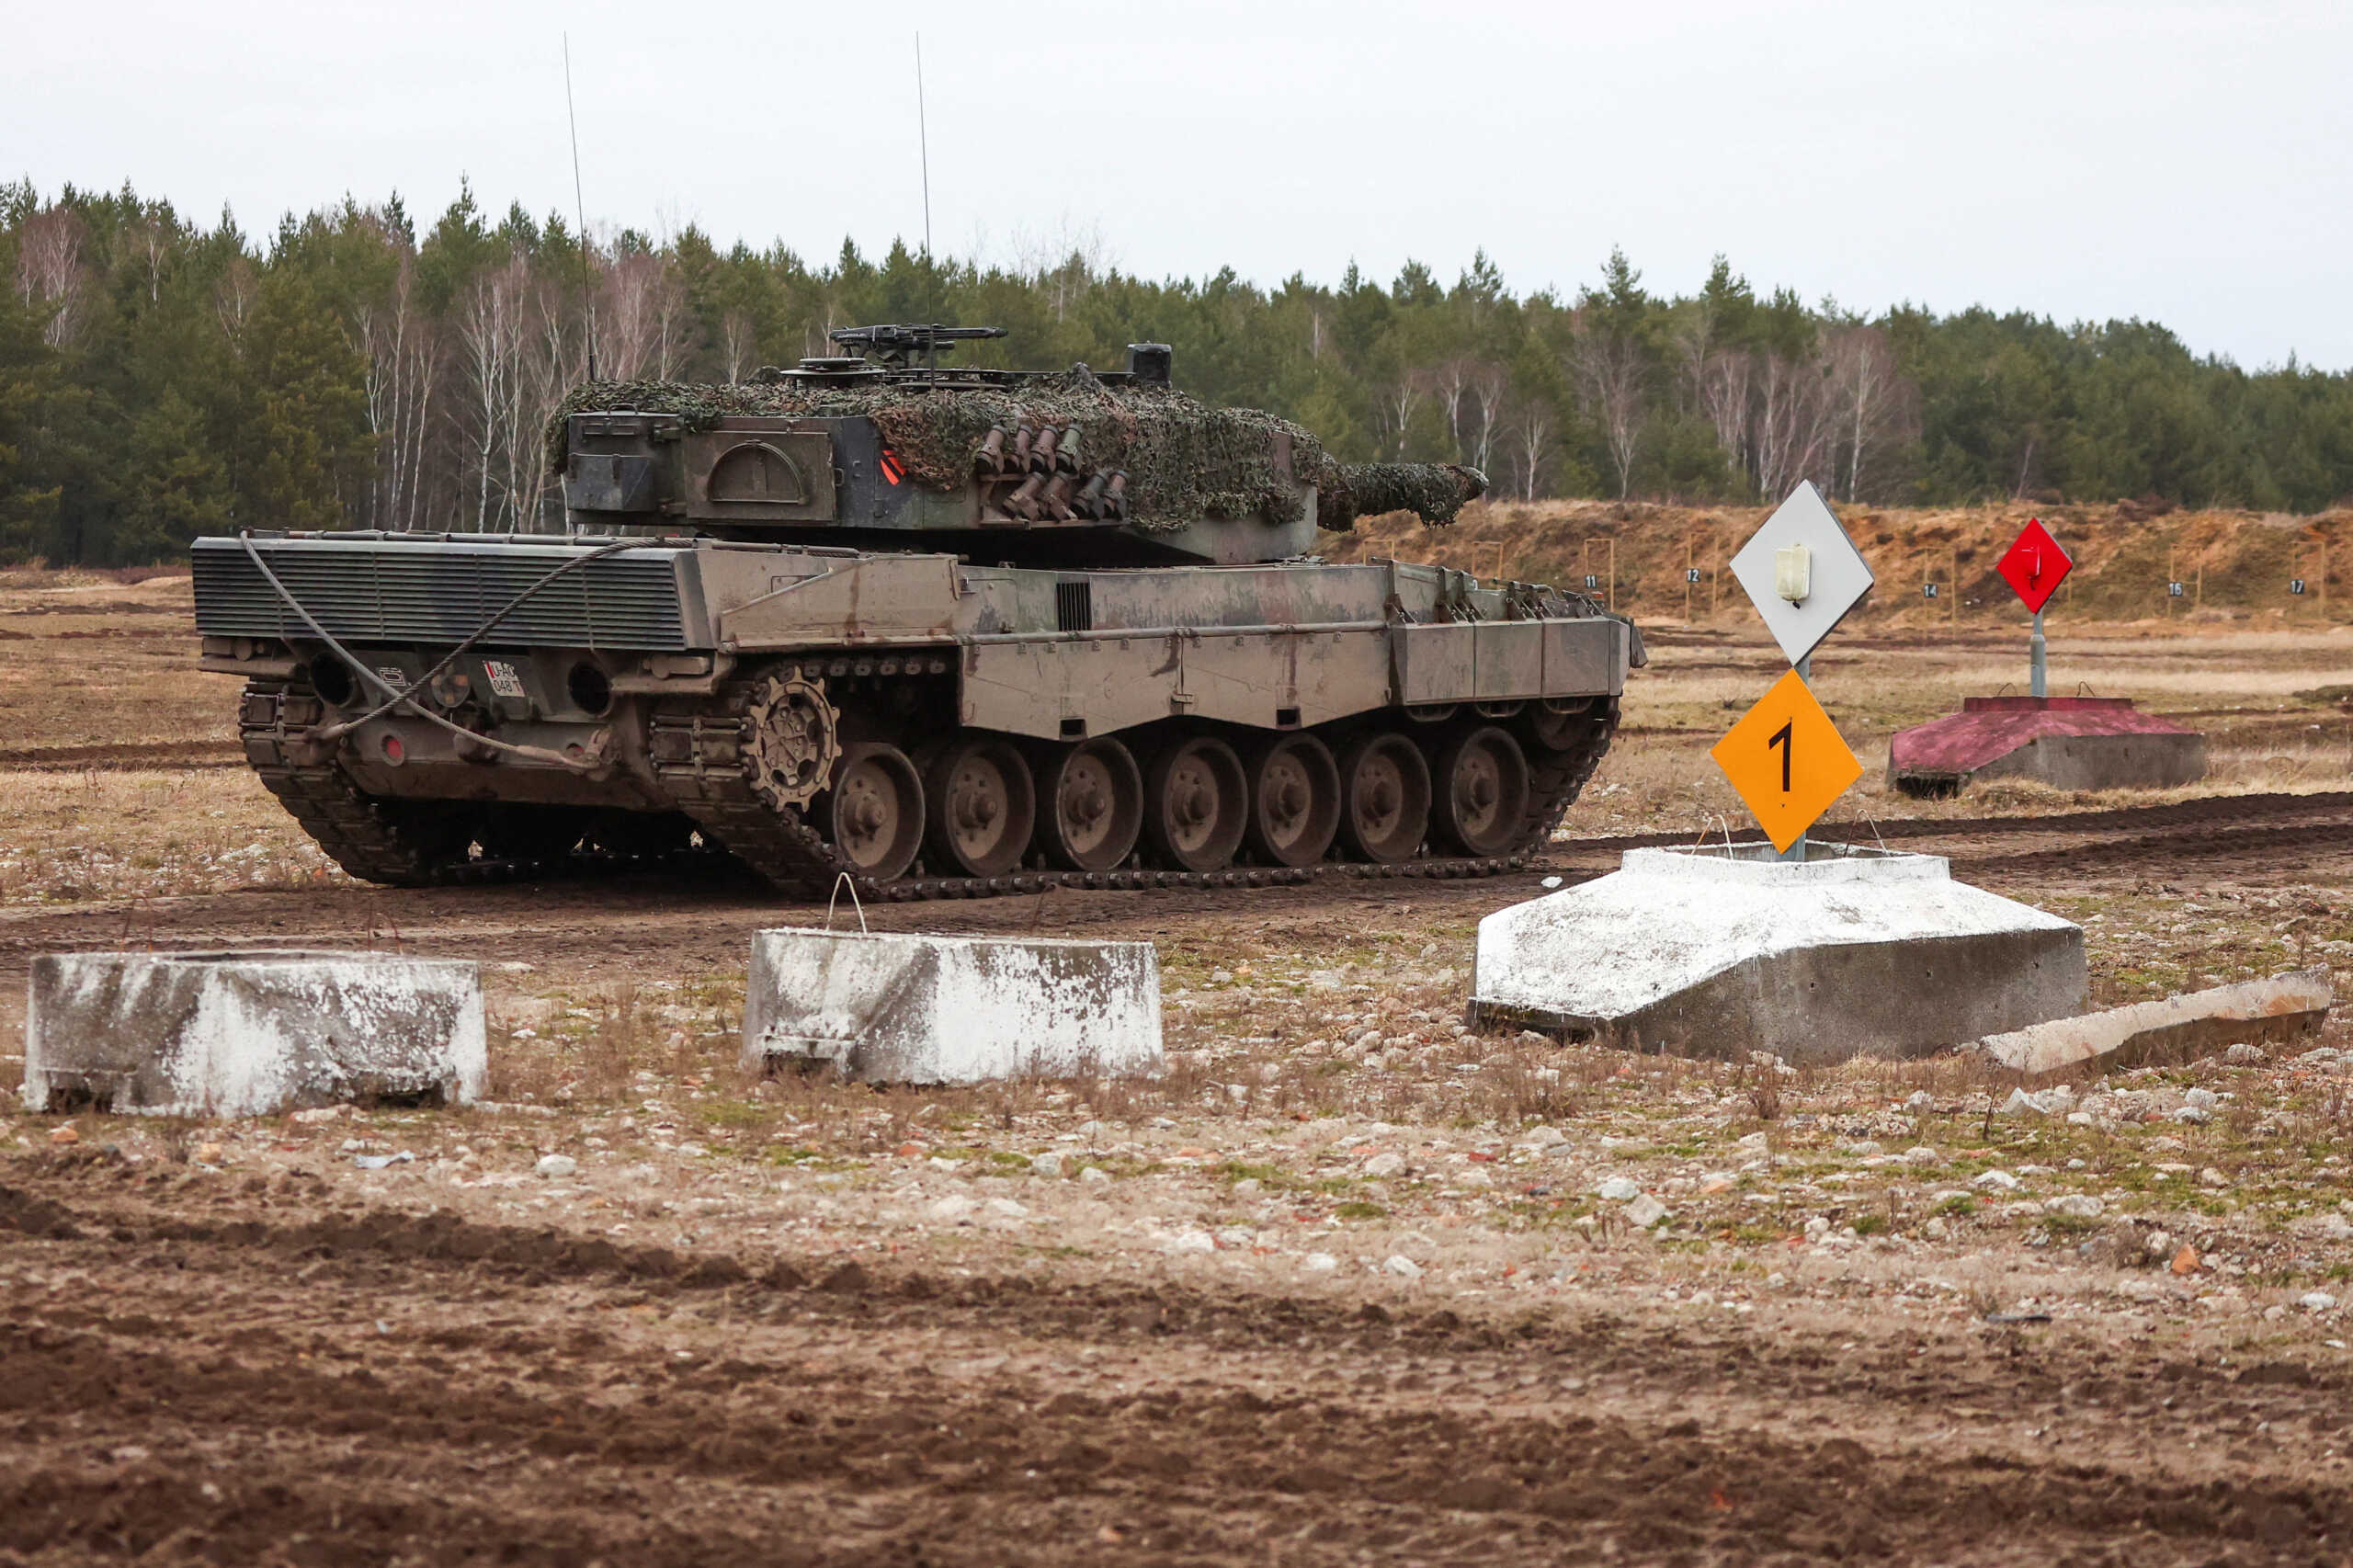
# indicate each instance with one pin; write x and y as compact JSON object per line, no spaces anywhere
{"x":872,"y":448}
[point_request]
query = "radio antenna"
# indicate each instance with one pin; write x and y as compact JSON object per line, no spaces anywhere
{"x":580,"y":210}
{"x":923,"y":145}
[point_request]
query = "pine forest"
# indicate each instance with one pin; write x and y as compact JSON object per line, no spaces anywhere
{"x":360,"y":368}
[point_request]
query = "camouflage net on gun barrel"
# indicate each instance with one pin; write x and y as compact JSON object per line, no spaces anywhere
{"x":1432,"y":492}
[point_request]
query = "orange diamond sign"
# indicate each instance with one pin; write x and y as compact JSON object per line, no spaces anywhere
{"x":1787,"y":760}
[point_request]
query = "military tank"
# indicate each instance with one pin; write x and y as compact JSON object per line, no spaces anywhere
{"x":943,"y":632}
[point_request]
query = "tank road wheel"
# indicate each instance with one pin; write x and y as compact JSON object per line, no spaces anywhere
{"x":876,"y":820}
{"x":1481,"y":791}
{"x":1294,"y":800}
{"x":984,"y":805}
{"x":1384,"y":798}
{"x":1197,"y":804}
{"x":1093,"y":799}
{"x":794,"y":738}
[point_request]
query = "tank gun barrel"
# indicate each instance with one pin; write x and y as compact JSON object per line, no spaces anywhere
{"x":1432,"y":492}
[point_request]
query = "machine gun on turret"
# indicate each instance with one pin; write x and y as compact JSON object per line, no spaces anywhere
{"x":895,"y":348}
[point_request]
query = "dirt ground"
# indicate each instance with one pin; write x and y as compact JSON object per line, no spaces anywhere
{"x":1338,"y":1287}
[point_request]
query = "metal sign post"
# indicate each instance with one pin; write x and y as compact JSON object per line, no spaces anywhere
{"x":2034,"y":566}
{"x":1785,"y":757}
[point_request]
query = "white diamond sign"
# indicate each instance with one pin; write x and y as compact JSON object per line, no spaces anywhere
{"x":1802,"y":572}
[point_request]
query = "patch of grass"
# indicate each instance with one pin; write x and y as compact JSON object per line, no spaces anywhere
{"x":1869,"y":1224}
{"x":733,"y":1113}
{"x":1959,"y":1206}
{"x":1272,"y":1176}
{"x":1359,"y":1210}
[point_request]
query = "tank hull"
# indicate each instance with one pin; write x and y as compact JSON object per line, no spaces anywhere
{"x":432,"y":705}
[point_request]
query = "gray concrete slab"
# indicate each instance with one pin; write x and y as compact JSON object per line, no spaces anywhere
{"x":2173,"y":1029}
{"x":1714,"y":953}
{"x":249,"y":1033}
{"x":892,"y":1007}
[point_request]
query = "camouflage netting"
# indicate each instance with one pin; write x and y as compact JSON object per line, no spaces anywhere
{"x":1185,"y":460}
{"x":1432,"y":492}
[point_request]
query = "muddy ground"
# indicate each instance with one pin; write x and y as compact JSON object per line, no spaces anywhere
{"x":1342,"y":1287}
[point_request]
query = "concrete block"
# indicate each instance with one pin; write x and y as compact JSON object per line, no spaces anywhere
{"x":1720,"y":952}
{"x":249,"y":1033}
{"x":2173,"y":1029}
{"x":2069,"y":743}
{"x":889,"y":1008}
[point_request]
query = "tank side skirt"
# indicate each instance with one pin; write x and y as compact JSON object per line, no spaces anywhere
{"x":1276,"y":677}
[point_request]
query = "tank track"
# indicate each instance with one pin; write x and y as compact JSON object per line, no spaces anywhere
{"x":377,"y":840}
{"x":700,"y":756}
{"x":700,"y":749}
{"x":358,"y":831}
{"x":1555,"y":779}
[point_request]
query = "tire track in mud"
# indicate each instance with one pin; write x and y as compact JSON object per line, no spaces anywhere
{"x":2270,"y":850}
{"x":718,"y":893}
{"x":130,"y":758}
{"x":2204,"y":810}
{"x":214,"y":1388}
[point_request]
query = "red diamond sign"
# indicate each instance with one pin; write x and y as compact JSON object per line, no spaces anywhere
{"x":2035,"y":565}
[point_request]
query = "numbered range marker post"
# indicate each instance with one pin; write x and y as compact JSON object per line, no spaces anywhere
{"x":2034,"y":566}
{"x":1785,"y":757}
{"x":1788,"y":761}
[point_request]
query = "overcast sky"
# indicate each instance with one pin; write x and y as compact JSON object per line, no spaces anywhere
{"x":2182,"y":163}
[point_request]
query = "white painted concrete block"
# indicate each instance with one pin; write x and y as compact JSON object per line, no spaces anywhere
{"x":1852,"y":951}
{"x":249,"y":1033}
{"x":889,"y":1008}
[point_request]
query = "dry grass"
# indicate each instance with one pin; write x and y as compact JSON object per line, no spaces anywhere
{"x":91,"y":660}
{"x":79,"y":837}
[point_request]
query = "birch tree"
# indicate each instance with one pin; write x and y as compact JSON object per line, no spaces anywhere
{"x":1866,"y":395}
{"x":493,"y":329}
{"x":50,"y":272}
{"x":1612,"y":376}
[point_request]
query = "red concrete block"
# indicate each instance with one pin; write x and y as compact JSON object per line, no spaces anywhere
{"x":2072,"y":743}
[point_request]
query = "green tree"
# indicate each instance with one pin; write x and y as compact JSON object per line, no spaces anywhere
{"x":310,"y":427}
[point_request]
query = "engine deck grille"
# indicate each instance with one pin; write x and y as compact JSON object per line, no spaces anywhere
{"x":439,"y":589}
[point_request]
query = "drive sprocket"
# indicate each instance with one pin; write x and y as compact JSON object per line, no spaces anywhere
{"x":794,"y":734}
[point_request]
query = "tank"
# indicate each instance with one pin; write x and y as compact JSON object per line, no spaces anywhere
{"x":942,"y":632}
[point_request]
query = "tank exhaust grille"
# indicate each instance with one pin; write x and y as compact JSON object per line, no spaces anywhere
{"x":1074,"y":606}
{"x":439,"y":590}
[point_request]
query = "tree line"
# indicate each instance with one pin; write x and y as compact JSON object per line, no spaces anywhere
{"x":161,"y":378}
